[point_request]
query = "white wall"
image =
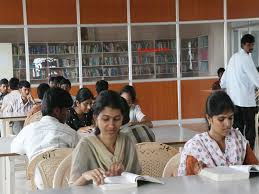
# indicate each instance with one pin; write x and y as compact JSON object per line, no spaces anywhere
{"x":6,"y":61}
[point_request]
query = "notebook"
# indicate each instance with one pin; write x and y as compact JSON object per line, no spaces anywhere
{"x":126,"y":180}
{"x":230,"y":173}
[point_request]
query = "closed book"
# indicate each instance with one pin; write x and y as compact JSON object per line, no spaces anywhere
{"x":224,"y":173}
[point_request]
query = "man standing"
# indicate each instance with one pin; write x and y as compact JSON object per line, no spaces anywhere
{"x":240,"y":80}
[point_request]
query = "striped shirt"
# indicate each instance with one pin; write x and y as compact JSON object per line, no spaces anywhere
{"x":138,"y":133}
{"x":18,"y":106}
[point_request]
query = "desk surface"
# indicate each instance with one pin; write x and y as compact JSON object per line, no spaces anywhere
{"x":173,"y":185}
{"x":12,"y":115}
{"x":173,"y":134}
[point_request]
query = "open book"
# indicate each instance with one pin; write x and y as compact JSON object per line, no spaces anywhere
{"x":126,"y":180}
{"x":229,"y":173}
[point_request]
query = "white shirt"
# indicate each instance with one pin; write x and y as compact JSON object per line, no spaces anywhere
{"x":136,"y":115}
{"x":240,"y":79}
{"x":44,"y":134}
{"x":9,"y":98}
{"x":17,"y":105}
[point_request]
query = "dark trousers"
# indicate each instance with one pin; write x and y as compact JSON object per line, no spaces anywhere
{"x":244,"y":119}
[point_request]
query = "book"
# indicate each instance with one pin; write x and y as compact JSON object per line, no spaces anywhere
{"x":127,"y":180}
{"x":230,"y":173}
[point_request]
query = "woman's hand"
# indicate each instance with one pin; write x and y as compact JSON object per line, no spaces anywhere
{"x":87,"y":129}
{"x":97,"y":175}
{"x":115,"y":169}
{"x":198,"y":167}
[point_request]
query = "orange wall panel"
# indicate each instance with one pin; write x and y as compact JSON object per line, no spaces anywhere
{"x":152,"y":11}
{"x":11,"y":12}
{"x":51,"y":11}
{"x":103,"y":11}
{"x":158,"y":100}
{"x":242,"y":9}
{"x":201,"y":10}
{"x":193,"y":95}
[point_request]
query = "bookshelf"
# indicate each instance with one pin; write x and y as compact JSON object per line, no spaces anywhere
{"x":19,"y":66}
{"x":194,"y":56}
{"x":46,"y":59}
{"x":151,"y":59}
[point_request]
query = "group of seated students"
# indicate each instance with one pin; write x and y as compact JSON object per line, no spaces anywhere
{"x":111,"y":118}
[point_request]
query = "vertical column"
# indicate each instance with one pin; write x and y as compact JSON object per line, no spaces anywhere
{"x":79,"y":49}
{"x":178,"y":53}
{"x":26,"y":42}
{"x":129,"y":42}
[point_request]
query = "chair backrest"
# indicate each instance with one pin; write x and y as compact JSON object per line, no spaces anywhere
{"x":30,"y":119}
{"x":57,"y":155}
{"x":62,"y":174}
{"x":153,"y":157}
{"x":171,"y":168}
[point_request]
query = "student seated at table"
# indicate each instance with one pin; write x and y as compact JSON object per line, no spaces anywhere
{"x":138,"y":133}
{"x":3,"y":89}
{"x":20,"y":105}
{"x":41,"y":89}
{"x":80,"y":117}
{"x":54,"y":81}
{"x":216,"y":84}
{"x":14,"y":93}
{"x":101,"y":85}
{"x":51,"y":131}
{"x":222,"y":145}
{"x":136,"y":115}
{"x":108,"y":152}
{"x":65,"y":84}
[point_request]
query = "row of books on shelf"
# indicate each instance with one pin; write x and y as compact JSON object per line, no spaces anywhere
{"x":45,"y":48}
{"x":45,"y":73}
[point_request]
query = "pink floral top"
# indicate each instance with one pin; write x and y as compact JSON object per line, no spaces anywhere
{"x":205,"y":149}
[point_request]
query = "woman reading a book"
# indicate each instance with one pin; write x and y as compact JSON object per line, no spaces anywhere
{"x":108,"y":152}
{"x":80,"y":117}
{"x":222,"y":145}
{"x":136,"y":115}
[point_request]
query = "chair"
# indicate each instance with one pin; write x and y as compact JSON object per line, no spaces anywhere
{"x":153,"y":157}
{"x":46,"y":169}
{"x":30,"y":119}
{"x":61,"y":176}
{"x":172,"y":165}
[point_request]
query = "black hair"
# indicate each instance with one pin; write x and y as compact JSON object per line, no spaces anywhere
{"x":13,"y":83}
{"x":41,"y":89}
{"x":56,"y":79}
{"x":217,"y":103}
{"x":107,"y":98}
{"x":131,"y":91}
{"x":59,"y":78}
{"x":247,"y":38}
{"x":126,"y":117}
{"x":52,"y":79}
{"x":25,"y":84}
{"x":101,"y":85}
{"x":4,"y":81}
{"x":66,"y":82}
{"x":84,"y":94}
{"x":220,"y":70}
{"x":55,"y":97}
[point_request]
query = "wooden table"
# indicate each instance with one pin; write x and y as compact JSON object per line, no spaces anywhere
{"x":173,"y":185}
{"x":7,"y":166}
{"x":6,"y":118}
